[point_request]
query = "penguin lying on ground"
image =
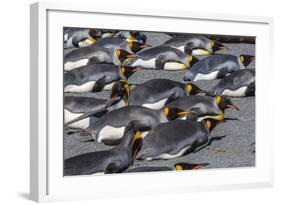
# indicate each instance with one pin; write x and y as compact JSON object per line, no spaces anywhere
{"x":95,"y":77}
{"x":80,"y":37}
{"x":197,"y":44}
{"x":110,"y":127}
{"x":204,"y":106}
{"x":161,"y":57}
{"x":115,"y":160}
{"x":118,"y":43}
{"x":131,"y":36}
{"x":174,"y":139}
{"x":238,"y":84}
{"x":217,"y":66}
{"x":154,"y":94}
{"x":93,"y":54}
{"x":177,"y":167}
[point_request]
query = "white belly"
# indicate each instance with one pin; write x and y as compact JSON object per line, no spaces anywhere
{"x":65,"y":37}
{"x":71,"y":65}
{"x":235,"y":93}
{"x":143,"y":134}
{"x":145,"y":63}
{"x":210,"y":76}
{"x":111,"y":133}
{"x":174,"y":66}
{"x":81,"y":124}
{"x":86,"y":87}
{"x":200,"y":52}
{"x":157,"y":105}
{"x":169,"y":156}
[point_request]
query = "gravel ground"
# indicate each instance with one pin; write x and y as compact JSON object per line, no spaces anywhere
{"x":234,"y":140}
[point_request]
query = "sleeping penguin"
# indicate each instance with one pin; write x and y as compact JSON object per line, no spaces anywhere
{"x":95,"y":77}
{"x":110,"y":127}
{"x":241,"y":83}
{"x":195,"y":44}
{"x":174,"y":139}
{"x":217,"y":66}
{"x":114,"y":160}
{"x":161,"y":58}
{"x":153,"y":94}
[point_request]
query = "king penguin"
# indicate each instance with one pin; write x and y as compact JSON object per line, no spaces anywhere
{"x":197,"y":44}
{"x":153,"y":94}
{"x":95,"y":77}
{"x":161,"y":58}
{"x":80,"y":37}
{"x":110,"y":127}
{"x":217,"y":66}
{"x":173,"y":139}
{"x":241,"y":83}
{"x":93,"y":54}
{"x":204,"y":106}
{"x":115,"y":160}
{"x":118,"y":43}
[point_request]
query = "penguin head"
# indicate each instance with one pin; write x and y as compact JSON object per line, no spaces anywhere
{"x":211,"y":123}
{"x":174,"y":113}
{"x":136,"y":46}
{"x":192,"y":89}
{"x":246,"y":59}
{"x":95,"y":33}
{"x":189,"y":166}
{"x":216,"y":46}
{"x":120,"y":90}
{"x":137,"y":36}
{"x":122,"y":55}
{"x":189,"y":76}
{"x":225,"y":103}
{"x":192,"y":60}
{"x":127,"y":71}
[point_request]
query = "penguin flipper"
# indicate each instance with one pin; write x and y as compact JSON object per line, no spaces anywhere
{"x":99,"y":85}
{"x":114,"y":167}
{"x":160,"y":62}
{"x":223,"y":72}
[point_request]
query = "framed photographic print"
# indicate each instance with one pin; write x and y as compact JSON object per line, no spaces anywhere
{"x":127,"y":101}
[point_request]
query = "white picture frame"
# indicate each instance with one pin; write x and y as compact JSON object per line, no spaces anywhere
{"x":46,"y":174}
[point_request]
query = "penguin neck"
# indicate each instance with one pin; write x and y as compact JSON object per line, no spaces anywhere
{"x":241,"y":65}
{"x":162,"y":116}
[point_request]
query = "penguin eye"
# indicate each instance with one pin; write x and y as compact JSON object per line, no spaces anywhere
{"x":242,"y":58}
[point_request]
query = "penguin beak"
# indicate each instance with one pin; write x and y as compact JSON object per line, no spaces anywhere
{"x":233,"y":107}
{"x":183,"y":113}
{"x":253,"y":58}
{"x":110,"y":101}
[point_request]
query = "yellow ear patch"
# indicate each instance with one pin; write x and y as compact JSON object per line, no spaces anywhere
{"x":179,"y":167}
{"x":212,"y":44}
{"x":208,"y":124}
{"x":218,"y":99}
{"x":166,"y":111}
{"x":189,"y":58}
{"x":242,"y":58}
{"x":189,"y":88}
{"x":127,"y":88}
{"x":118,"y":52}
{"x":123,"y":69}
{"x":137,"y":135}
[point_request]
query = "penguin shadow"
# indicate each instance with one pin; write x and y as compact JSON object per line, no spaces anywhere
{"x":211,"y":140}
{"x":231,"y":119}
